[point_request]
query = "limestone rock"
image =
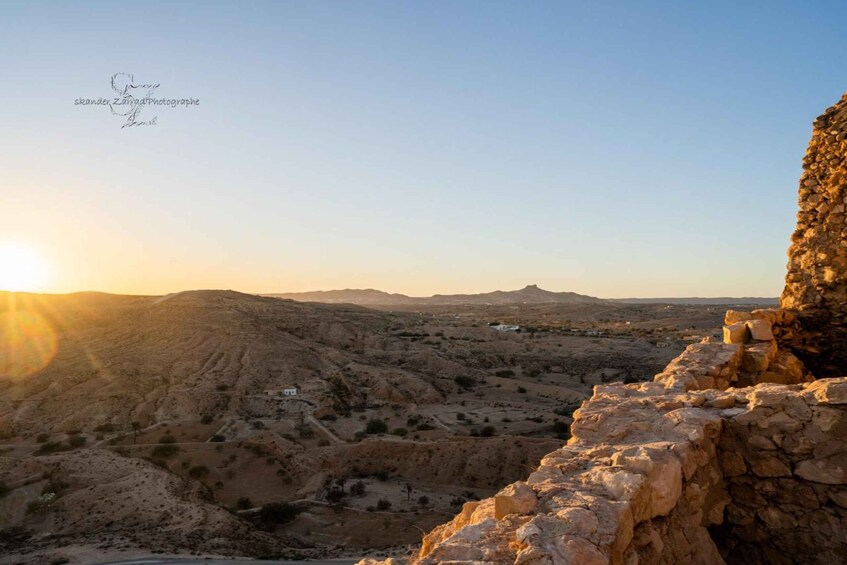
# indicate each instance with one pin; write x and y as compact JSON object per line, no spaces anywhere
{"x":517,"y":498}
{"x":760,"y":330}
{"x":736,"y":333}
{"x":734,"y":316}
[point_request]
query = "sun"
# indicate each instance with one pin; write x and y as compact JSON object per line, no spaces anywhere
{"x":21,"y":268}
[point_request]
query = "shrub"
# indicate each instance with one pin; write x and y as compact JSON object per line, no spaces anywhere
{"x":105,"y":428}
{"x":560,"y":427}
{"x":222,"y":388}
{"x":425,"y":427}
{"x":76,"y":441}
{"x":383,"y":504}
{"x":402,"y":432}
{"x":217,"y":438}
{"x":206,"y":419}
{"x":505,"y":373}
{"x":564,"y":411}
{"x":51,"y":447}
{"x":198,"y":471}
{"x":376,"y":426}
{"x":278,"y":512}
{"x":460,"y":416}
{"x":357,"y":488}
{"x":423,"y":500}
{"x":244,"y":503}
{"x":487,"y":431}
{"x":4,"y":489}
{"x":335,"y":495}
{"x":41,"y":438}
{"x":323,"y":442}
{"x":521,"y":390}
{"x":167,"y":439}
{"x":464,"y":381}
{"x":164,"y":450}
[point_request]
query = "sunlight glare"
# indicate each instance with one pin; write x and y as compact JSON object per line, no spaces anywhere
{"x":21,"y":268}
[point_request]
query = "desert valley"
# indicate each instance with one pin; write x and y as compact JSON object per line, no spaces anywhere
{"x":228,"y":423}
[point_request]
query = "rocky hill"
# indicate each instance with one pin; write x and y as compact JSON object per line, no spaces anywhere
{"x":113,"y":360}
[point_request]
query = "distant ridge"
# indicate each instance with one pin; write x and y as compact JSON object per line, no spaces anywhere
{"x":530,"y":294}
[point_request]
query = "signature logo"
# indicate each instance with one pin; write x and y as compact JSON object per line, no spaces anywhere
{"x":135,"y":101}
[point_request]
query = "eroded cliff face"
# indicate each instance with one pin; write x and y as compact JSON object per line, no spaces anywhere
{"x":816,"y":283}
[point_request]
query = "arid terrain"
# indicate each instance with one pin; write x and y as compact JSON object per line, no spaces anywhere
{"x":161,"y":424}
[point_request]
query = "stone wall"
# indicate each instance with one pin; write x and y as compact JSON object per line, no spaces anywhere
{"x":816,"y":283}
{"x":678,"y":470}
{"x":784,"y":460}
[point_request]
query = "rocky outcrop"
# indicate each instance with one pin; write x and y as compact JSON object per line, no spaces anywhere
{"x":816,"y":283}
{"x":675,"y":471}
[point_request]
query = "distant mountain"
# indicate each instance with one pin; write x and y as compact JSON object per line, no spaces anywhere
{"x":720,"y":300}
{"x":530,"y":294}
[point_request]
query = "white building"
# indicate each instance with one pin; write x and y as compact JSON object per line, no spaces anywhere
{"x":277,"y":392}
{"x":506,"y":328}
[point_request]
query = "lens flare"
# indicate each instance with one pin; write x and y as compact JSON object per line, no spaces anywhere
{"x":27,"y":344}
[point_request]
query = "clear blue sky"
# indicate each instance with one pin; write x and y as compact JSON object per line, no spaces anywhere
{"x":609,"y":148}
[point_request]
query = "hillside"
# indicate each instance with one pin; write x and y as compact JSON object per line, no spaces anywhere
{"x":419,"y":411}
{"x":149,"y":359}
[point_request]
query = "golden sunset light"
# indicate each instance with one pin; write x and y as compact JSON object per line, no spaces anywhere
{"x":22,"y":268}
{"x":358,"y":282}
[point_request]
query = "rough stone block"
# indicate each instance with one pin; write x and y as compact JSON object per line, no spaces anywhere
{"x":828,"y":471}
{"x":517,"y":498}
{"x":735,"y":333}
{"x":760,"y":330}
{"x":758,"y":356}
{"x":734,"y":316}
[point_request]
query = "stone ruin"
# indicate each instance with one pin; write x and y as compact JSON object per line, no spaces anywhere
{"x":816,"y":286}
{"x":733,"y":454}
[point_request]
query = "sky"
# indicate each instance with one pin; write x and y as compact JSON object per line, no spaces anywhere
{"x":615,"y":149}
